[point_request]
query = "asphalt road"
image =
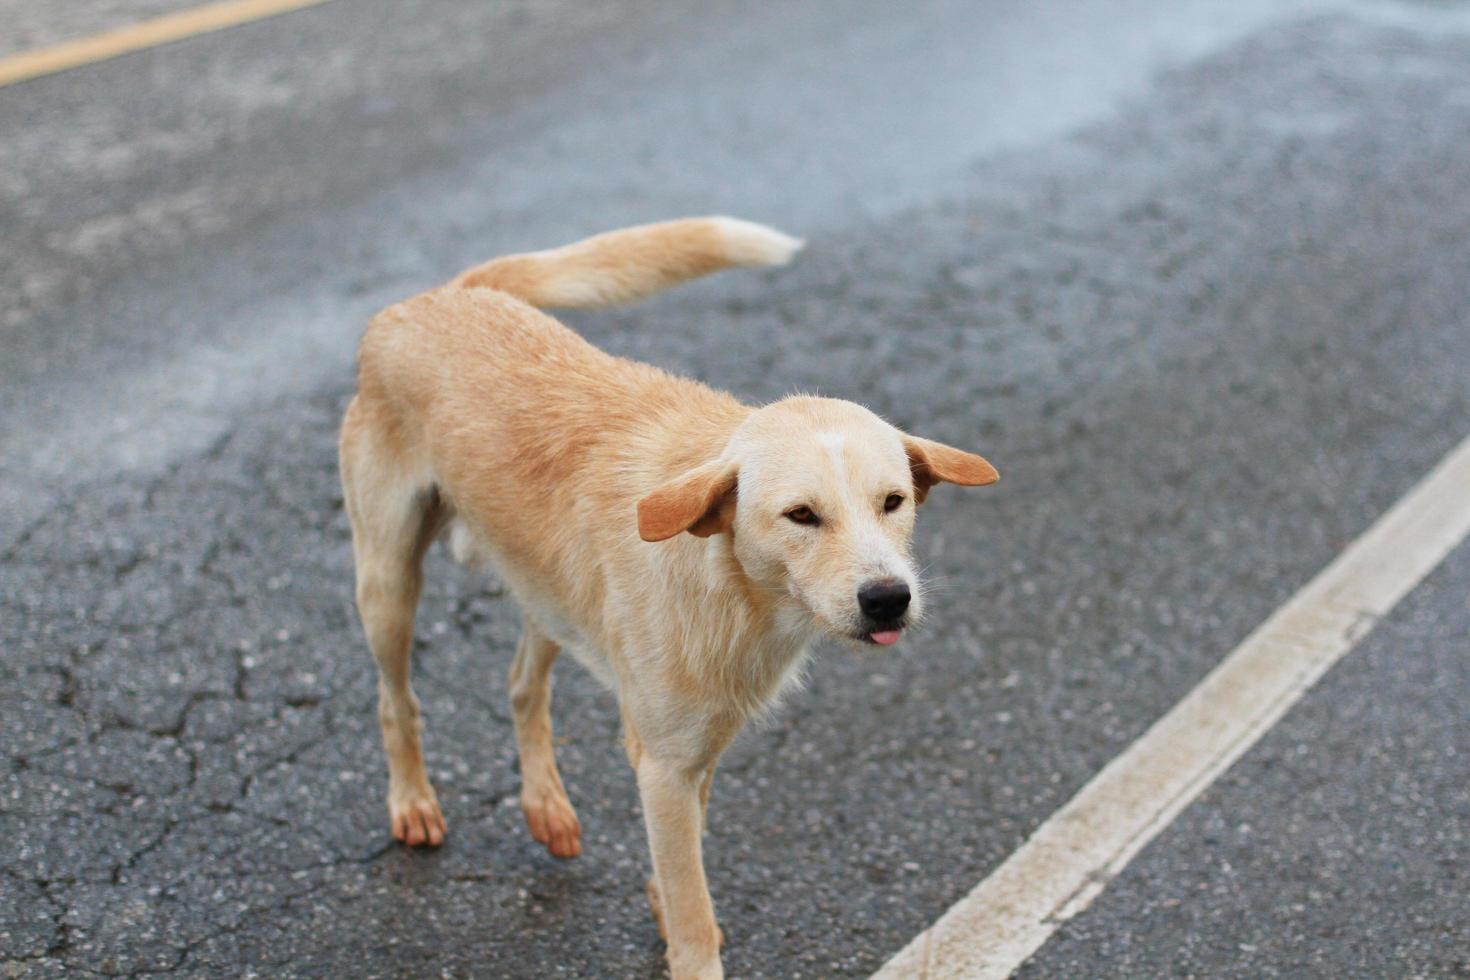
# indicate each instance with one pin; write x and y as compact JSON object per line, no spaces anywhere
{"x":1191,"y":274}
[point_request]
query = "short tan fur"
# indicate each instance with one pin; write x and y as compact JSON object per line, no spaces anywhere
{"x":683,"y":546}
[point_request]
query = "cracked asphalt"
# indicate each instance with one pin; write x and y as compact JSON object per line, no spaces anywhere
{"x":1191,"y":274}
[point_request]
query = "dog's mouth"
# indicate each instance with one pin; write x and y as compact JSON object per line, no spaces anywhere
{"x":885,"y":635}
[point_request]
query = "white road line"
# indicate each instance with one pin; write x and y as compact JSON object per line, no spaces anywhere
{"x":1072,"y":857}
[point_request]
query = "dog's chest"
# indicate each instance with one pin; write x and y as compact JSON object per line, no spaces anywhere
{"x":546,"y":613}
{"x":538,"y":605}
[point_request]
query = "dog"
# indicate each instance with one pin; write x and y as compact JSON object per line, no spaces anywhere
{"x":685,"y":547}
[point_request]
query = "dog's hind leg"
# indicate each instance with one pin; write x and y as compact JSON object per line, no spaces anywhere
{"x":549,"y":813}
{"x":394,"y":519}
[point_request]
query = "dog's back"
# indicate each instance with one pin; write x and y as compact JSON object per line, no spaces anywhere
{"x":477,"y":352}
{"x":500,"y":406}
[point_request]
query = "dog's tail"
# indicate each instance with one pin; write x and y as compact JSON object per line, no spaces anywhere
{"x":631,"y":263}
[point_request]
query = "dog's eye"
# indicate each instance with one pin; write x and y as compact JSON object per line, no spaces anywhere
{"x":893,"y":503}
{"x":803,"y":515}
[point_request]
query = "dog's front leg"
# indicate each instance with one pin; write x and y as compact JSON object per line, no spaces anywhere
{"x":671,"y":808}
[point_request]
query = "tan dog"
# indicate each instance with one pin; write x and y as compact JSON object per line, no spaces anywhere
{"x":685,"y":547}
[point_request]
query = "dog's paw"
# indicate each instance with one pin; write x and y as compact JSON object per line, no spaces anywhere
{"x":417,"y":819}
{"x":553,"y":822}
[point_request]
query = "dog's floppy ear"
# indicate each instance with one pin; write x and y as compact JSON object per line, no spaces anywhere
{"x":701,"y":501}
{"x":934,"y":462}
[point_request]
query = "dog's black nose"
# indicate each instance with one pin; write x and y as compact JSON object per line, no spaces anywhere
{"x":884,"y":600}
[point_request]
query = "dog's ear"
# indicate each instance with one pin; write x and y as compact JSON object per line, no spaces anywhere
{"x":701,"y":501}
{"x":934,"y":462}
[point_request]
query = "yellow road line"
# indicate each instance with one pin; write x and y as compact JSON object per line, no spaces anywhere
{"x":136,"y":37}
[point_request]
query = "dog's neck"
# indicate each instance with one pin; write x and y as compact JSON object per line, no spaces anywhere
{"x":754,"y":639}
{"x":750,"y":640}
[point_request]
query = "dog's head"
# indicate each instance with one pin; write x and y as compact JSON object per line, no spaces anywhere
{"x":819,"y":495}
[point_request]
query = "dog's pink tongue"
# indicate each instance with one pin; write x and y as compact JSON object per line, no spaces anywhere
{"x":884,"y":637}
